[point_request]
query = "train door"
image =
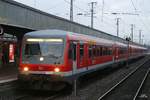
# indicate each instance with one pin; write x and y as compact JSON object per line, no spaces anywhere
{"x":86,"y":55}
{"x":117,"y":53}
{"x":81,"y":55}
{"x":113,"y":53}
{"x":74,"y":57}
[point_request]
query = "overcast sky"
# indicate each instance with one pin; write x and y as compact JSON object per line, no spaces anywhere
{"x":139,"y":9}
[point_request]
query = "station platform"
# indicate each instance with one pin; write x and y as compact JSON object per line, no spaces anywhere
{"x":8,"y":73}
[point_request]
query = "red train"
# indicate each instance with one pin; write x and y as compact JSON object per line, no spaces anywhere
{"x":59,"y":56}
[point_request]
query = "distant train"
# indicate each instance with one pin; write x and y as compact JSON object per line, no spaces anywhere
{"x":56,"y":56}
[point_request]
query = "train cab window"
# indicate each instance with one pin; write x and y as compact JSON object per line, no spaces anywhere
{"x":90,"y":51}
{"x":32,"y":49}
{"x":81,"y":51}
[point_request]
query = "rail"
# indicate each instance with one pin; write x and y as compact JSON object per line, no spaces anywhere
{"x":141,"y":85}
{"x":120,"y":82}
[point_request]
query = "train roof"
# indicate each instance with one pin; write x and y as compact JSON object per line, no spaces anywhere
{"x":76,"y":36}
{"x":90,"y":39}
{"x":138,"y":47}
{"x":46,"y":33}
{"x":71,"y":35}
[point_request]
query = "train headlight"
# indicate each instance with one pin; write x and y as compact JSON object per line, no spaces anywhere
{"x":57,"y":70}
{"x":41,"y":58}
{"x":26,"y":69}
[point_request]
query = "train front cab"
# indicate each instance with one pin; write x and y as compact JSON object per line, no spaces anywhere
{"x":41,"y":60}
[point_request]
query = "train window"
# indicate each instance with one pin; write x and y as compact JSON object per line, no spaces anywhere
{"x":97,"y":48}
{"x":94,"y":51}
{"x":90,"y":51}
{"x":32,"y":49}
{"x":122,"y":50}
{"x":107,"y":51}
{"x":44,"y":48}
{"x":104,"y":51}
{"x":101,"y":51}
{"x":110,"y":51}
{"x":81,"y":51}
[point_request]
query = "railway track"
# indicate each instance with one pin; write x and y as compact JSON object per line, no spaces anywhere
{"x":27,"y":97}
{"x":129,"y":87}
{"x":143,"y":91}
{"x":20,"y":95}
{"x":37,"y":96}
{"x":103,"y":83}
{"x":42,"y":95}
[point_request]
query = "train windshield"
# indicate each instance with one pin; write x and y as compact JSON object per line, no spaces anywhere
{"x":49,"y":49}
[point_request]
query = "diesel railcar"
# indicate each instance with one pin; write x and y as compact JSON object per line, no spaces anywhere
{"x":56,"y":56}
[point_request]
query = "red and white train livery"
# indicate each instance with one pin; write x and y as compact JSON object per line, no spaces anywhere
{"x":57,"y":55}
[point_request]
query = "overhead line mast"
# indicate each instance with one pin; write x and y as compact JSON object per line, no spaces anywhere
{"x":118,"y":19}
{"x":102,"y":10}
{"x":132,"y":29}
{"x":92,"y":12}
{"x":140,"y":34}
{"x":71,"y":10}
